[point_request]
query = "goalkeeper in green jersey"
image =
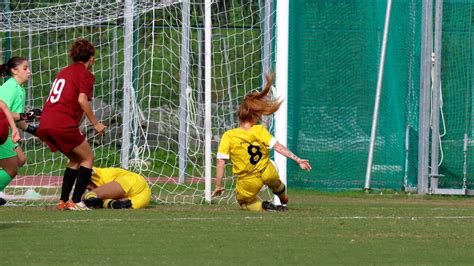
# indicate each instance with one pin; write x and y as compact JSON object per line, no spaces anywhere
{"x":12,"y":94}
{"x":248,"y":147}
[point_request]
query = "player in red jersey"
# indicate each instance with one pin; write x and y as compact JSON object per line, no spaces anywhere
{"x":59,"y":124}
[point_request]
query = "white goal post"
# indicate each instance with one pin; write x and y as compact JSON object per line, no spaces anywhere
{"x":169,"y":77}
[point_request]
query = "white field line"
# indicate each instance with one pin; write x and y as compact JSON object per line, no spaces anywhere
{"x":428,"y":208}
{"x":119,"y":220}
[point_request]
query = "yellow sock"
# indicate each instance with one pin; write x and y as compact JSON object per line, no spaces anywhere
{"x":90,"y":195}
{"x":254,"y":205}
{"x":108,"y":203}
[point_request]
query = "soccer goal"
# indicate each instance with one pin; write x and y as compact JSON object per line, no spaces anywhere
{"x":157,"y":86}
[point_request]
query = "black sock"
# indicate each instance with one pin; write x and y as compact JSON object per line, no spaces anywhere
{"x":119,"y":204}
{"x":83,"y":178}
{"x":94,"y":202}
{"x":68,"y":182}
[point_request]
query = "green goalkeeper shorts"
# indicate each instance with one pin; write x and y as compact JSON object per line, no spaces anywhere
{"x":7,"y":149}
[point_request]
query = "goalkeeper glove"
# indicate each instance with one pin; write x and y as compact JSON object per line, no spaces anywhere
{"x":31,"y":129}
{"x":30,"y":115}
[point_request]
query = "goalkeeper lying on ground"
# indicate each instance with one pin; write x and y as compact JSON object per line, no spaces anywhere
{"x":117,"y":188}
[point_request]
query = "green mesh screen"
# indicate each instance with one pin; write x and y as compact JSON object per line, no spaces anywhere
{"x":333,"y":67}
{"x":457,"y":85}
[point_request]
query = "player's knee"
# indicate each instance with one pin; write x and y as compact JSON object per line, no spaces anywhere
{"x":73,"y":164}
{"x":254,"y":205}
{"x":275,"y":184}
{"x":88,"y":162}
{"x":11,"y":170}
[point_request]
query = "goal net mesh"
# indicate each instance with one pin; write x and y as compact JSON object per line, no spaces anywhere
{"x":43,"y":33}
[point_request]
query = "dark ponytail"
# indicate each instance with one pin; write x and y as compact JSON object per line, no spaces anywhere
{"x":5,"y":69}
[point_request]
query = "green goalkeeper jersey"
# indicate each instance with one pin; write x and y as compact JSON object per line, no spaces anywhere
{"x":13,"y":94}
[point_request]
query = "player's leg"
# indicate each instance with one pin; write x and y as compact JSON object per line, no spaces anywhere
{"x":82,"y":155}
{"x":8,"y":172}
{"x":21,"y":156}
{"x":69,"y":178}
{"x":271,"y":178}
{"x":91,"y":200}
{"x":251,"y":204}
{"x":111,"y":190}
{"x":9,"y":158}
{"x":110,"y":195}
{"x":246,"y":193}
{"x":9,"y":166}
{"x":117,"y":204}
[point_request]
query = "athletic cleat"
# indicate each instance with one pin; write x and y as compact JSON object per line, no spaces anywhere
{"x":118,"y":204}
{"x":93,"y":202}
{"x":61,"y":205}
{"x":281,"y":208}
{"x":284,"y":200}
{"x":79,"y":206}
{"x":268,"y":206}
{"x":2,"y":201}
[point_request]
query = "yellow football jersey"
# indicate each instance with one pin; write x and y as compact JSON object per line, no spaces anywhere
{"x":134,"y":185}
{"x":101,"y":176}
{"x":131,"y":183}
{"x":247,"y":149}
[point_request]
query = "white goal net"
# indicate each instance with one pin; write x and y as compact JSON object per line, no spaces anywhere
{"x":156,"y":128}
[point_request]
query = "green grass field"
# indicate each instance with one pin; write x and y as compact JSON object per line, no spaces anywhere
{"x":319,"y":229}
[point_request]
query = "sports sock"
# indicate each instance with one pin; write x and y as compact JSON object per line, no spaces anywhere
{"x":121,"y":204}
{"x":93,"y":202}
{"x":83,"y":178}
{"x":108,"y":203}
{"x":90,"y":194}
{"x":117,"y":204}
{"x":68,"y":182}
{"x":254,"y":205}
{"x":5,"y":179}
{"x":280,"y":191}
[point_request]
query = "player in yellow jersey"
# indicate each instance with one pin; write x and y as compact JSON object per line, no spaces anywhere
{"x":117,"y":188}
{"x":248,"y":147}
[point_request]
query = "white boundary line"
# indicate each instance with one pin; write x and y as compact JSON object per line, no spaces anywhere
{"x":106,"y":220}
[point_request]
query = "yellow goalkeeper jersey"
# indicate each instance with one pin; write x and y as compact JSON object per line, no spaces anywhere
{"x":247,"y":149}
{"x":103,"y":176}
{"x":131,"y":182}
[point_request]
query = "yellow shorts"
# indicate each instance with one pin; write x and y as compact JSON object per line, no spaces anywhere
{"x":136,"y":189}
{"x":247,"y":188}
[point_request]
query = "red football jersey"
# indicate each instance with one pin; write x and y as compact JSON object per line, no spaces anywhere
{"x":4,"y":127}
{"x":62,"y":109}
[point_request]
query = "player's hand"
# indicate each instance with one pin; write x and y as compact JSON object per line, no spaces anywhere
{"x":218,"y":191}
{"x":304,"y":164}
{"x":31,"y":129}
{"x":32,"y":114}
{"x":100,"y":128}
{"x":15,"y":135}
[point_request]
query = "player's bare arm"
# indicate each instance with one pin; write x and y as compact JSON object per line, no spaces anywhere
{"x":84,"y":102}
{"x":304,"y":164}
{"x":220,"y":167}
